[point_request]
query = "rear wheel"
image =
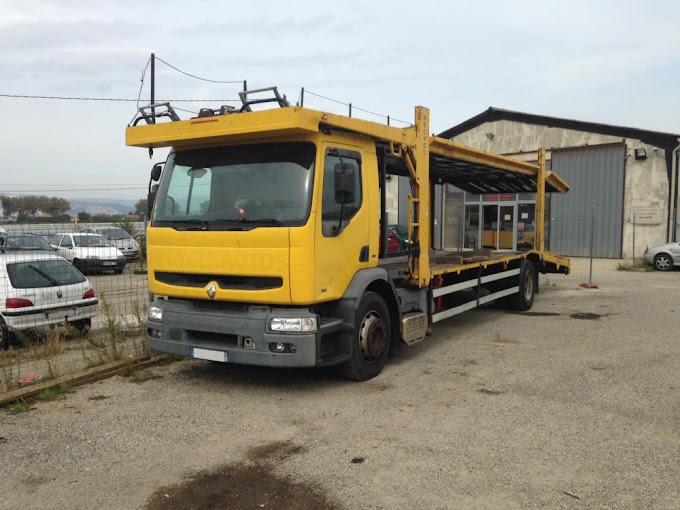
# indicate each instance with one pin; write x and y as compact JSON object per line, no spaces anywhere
{"x":663,"y":262}
{"x":372,"y":338}
{"x":524,"y":299}
{"x":5,"y":336}
{"x":83,"y":326}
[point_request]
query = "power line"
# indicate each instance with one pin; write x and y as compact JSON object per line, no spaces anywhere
{"x":118,"y":99}
{"x":354,"y":107}
{"x":71,"y":190}
{"x":194,"y":76}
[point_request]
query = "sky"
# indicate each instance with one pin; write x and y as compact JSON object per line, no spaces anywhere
{"x":614,"y":62}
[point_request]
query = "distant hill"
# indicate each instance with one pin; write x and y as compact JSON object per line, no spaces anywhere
{"x":101,"y":206}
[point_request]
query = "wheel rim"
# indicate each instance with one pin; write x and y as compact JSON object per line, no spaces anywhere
{"x":663,"y":262}
{"x":528,"y":285}
{"x":372,"y":336}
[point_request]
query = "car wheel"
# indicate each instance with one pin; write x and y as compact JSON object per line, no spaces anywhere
{"x":83,"y":326}
{"x":118,"y":271}
{"x":663,"y":262}
{"x":5,"y":336}
{"x":78,"y":265}
{"x":372,"y":338}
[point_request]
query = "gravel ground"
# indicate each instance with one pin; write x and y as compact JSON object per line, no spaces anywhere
{"x":584,"y":413}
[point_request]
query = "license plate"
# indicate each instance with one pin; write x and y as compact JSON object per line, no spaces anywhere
{"x":109,"y":263}
{"x":66,"y":314}
{"x":210,"y":355}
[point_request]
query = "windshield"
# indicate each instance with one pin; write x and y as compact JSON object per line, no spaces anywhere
{"x":224,"y":187}
{"x":27,"y":243}
{"x":42,"y":273}
{"x":92,"y":241}
{"x":115,"y":233}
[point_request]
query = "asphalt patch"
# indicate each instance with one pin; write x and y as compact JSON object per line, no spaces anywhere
{"x":249,"y":484}
{"x":586,"y":316}
{"x":533,"y":314}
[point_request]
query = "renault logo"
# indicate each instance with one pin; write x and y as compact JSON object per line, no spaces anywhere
{"x":212,"y":290}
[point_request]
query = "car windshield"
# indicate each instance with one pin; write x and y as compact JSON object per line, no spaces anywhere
{"x":42,"y":273}
{"x":237,"y":187}
{"x":115,"y":233}
{"x":27,"y":243}
{"x":91,"y":241}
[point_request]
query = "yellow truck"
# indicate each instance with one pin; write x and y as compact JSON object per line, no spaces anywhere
{"x":267,"y":242}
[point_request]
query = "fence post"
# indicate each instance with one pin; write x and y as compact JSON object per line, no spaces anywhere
{"x":633,"y":238}
{"x":592,"y":244}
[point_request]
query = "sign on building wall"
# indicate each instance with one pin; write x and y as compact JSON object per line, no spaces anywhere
{"x":647,"y":213}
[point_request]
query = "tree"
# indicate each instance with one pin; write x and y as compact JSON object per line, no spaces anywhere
{"x":84,"y":217}
{"x":141,"y":206}
{"x":9,"y":205}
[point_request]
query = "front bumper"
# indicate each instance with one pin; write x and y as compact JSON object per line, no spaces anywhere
{"x":130,"y":254}
{"x":97,"y":265}
{"x":229,"y":328}
{"x":649,"y":258}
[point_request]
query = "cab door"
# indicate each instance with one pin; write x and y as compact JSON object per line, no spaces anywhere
{"x":342,"y":230}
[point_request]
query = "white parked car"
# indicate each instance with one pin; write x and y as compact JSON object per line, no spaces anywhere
{"x":120,"y":239}
{"x":664,"y":256}
{"x":89,"y":252}
{"x":40,"y":289}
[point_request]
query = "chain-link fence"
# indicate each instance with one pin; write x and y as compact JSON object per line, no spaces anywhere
{"x":74,"y":296}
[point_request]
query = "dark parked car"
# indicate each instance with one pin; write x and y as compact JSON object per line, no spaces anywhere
{"x":26,"y":242}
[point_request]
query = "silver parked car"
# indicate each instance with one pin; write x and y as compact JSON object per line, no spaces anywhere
{"x":120,"y":239}
{"x":664,"y":256}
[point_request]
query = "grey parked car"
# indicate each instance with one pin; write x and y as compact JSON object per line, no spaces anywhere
{"x":664,"y":256}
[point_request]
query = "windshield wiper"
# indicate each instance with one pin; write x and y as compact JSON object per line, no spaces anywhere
{"x":266,"y":221}
{"x":202,"y":223}
{"x":55,"y":283}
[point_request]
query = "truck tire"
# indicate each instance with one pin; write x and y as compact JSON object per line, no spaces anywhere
{"x":372,"y":338}
{"x":524,"y":299}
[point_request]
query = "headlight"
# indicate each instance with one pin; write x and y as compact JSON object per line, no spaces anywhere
{"x":155,"y":313}
{"x":306,"y":324}
{"x":121,"y":256}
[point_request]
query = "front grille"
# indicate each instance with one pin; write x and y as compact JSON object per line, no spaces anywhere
{"x":223,"y":281}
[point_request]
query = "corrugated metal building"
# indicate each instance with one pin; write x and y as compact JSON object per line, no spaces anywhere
{"x":622,"y":179}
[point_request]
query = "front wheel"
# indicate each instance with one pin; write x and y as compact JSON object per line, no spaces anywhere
{"x":371,"y":341}
{"x":663,"y":262}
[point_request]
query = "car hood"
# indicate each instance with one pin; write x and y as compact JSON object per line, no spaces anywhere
{"x":662,"y":247}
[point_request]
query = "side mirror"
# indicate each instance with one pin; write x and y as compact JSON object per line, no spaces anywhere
{"x":344,"y":183}
{"x":156,"y":171}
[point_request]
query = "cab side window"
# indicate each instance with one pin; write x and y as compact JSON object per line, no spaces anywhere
{"x":334,"y":215}
{"x":66,"y":242}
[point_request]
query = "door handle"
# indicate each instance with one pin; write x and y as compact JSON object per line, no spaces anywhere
{"x":363,"y":254}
